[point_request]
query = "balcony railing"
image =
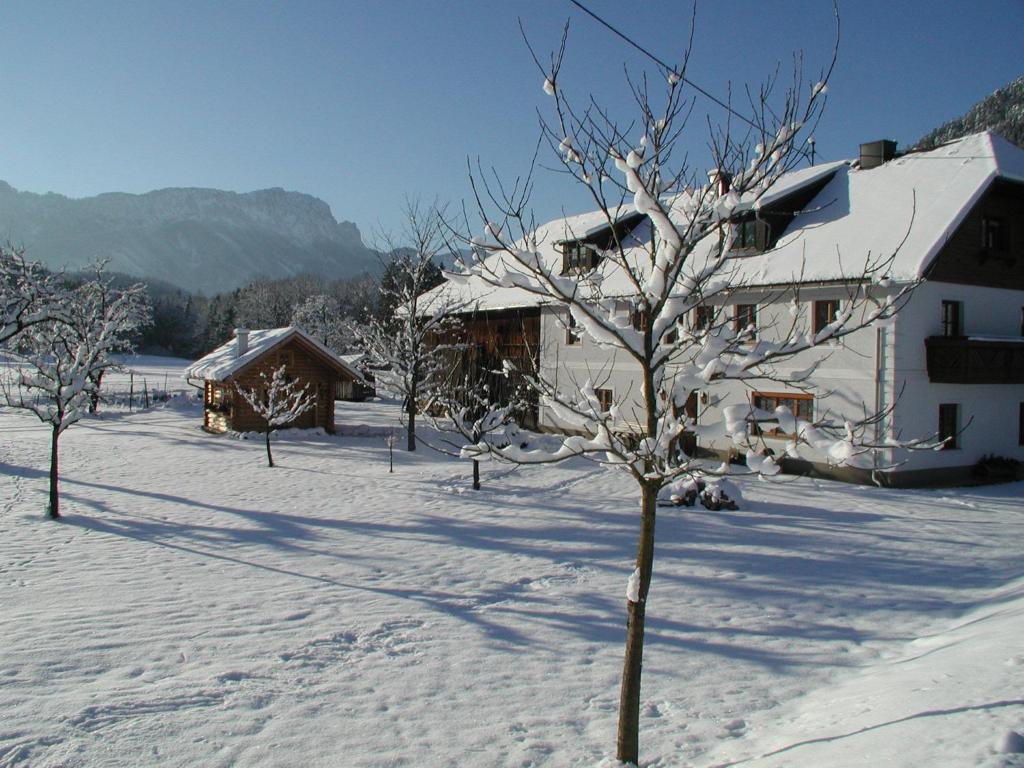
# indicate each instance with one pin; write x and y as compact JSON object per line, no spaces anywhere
{"x":975,"y":359}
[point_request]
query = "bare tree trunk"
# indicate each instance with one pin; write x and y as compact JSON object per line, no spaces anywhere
{"x":476,"y":475}
{"x":270,"y":459}
{"x":94,"y":396}
{"x":54,"y":508}
{"x":410,"y":414}
{"x":627,"y":738}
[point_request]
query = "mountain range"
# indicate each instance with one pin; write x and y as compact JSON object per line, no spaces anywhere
{"x":202,"y":240}
{"x":210,"y":241}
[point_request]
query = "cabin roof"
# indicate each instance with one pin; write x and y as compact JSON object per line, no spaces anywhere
{"x":223,"y":362}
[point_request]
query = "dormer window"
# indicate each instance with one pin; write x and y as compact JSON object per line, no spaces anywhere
{"x":579,"y":258}
{"x":750,"y":235}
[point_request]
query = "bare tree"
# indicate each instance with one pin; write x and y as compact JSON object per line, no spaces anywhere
{"x":278,"y":400}
{"x":464,"y":408}
{"x":402,"y":344}
{"x":60,"y":362}
{"x":673,"y":249}
{"x":321,"y":317}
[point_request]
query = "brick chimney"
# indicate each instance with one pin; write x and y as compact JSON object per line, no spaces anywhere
{"x":242,"y":341}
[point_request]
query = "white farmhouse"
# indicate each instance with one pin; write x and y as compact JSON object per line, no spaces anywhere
{"x":950,"y":365}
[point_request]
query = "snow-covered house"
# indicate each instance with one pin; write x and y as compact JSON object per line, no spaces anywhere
{"x":951,"y":364}
{"x":242,"y":360}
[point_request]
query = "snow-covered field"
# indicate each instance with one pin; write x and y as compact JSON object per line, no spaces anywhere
{"x":196,"y":608}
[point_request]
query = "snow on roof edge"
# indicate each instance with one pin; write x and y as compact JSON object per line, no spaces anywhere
{"x":221,"y":363}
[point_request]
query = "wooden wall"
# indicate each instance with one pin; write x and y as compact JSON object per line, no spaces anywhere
{"x":303,"y":364}
{"x":964,"y":260}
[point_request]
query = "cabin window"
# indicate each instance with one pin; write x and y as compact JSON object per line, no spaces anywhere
{"x":952,"y":318}
{"x":744,"y":317}
{"x":949,"y":425}
{"x":670,"y":337}
{"x":572,"y":336}
{"x":284,"y":358}
{"x":703,"y":318}
{"x":825,"y":313}
{"x":993,"y":234}
{"x":220,"y":398}
{"x":800,"y":405}
{"x":578,"y":258}
{"x":604,"y":398}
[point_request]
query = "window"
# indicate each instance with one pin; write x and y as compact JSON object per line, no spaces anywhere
{"x":993,"y":234}
{"x":572,"y":336}
{"x":578,"y":258}
{"x":745,"y":317}
{"x":604,"y":397}
{"x":952,"y":318}
{"x":825,"y":313}
{"x":704,"y":318}
{"x":670,"y":337}
{"x":800,"y":405}
{"x":638,"y":319}
{"x":949,"y":425}
{"x":284,"y":358}
{"x":750,"y":235}
{"x":220,"y":398}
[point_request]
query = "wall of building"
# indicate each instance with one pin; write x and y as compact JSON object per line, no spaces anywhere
{"x":989,"y":412}
{"x":845,"y":383}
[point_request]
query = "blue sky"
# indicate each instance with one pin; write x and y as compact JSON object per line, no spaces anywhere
{"x":363,"y":103}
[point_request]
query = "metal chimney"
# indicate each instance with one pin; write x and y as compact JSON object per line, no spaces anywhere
{"x":242,"y":341}
{"x":876,"y":153}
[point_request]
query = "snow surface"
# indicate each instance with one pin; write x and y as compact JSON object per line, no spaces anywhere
{"x":197,"y":608}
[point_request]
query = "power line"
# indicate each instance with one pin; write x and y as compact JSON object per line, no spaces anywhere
{"x":664,"y":66}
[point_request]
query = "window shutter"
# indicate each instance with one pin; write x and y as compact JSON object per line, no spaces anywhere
{"x":762,"y":235}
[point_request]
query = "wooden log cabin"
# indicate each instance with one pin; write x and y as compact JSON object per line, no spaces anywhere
{"x":239,"y":363}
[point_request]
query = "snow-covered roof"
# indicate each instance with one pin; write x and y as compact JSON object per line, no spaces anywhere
{"x":860,"y":214}
{"x":918,"y":200}
{"x":224,"y":362}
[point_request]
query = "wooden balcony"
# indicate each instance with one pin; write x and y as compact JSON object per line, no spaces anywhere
{"x":975,"y":360}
